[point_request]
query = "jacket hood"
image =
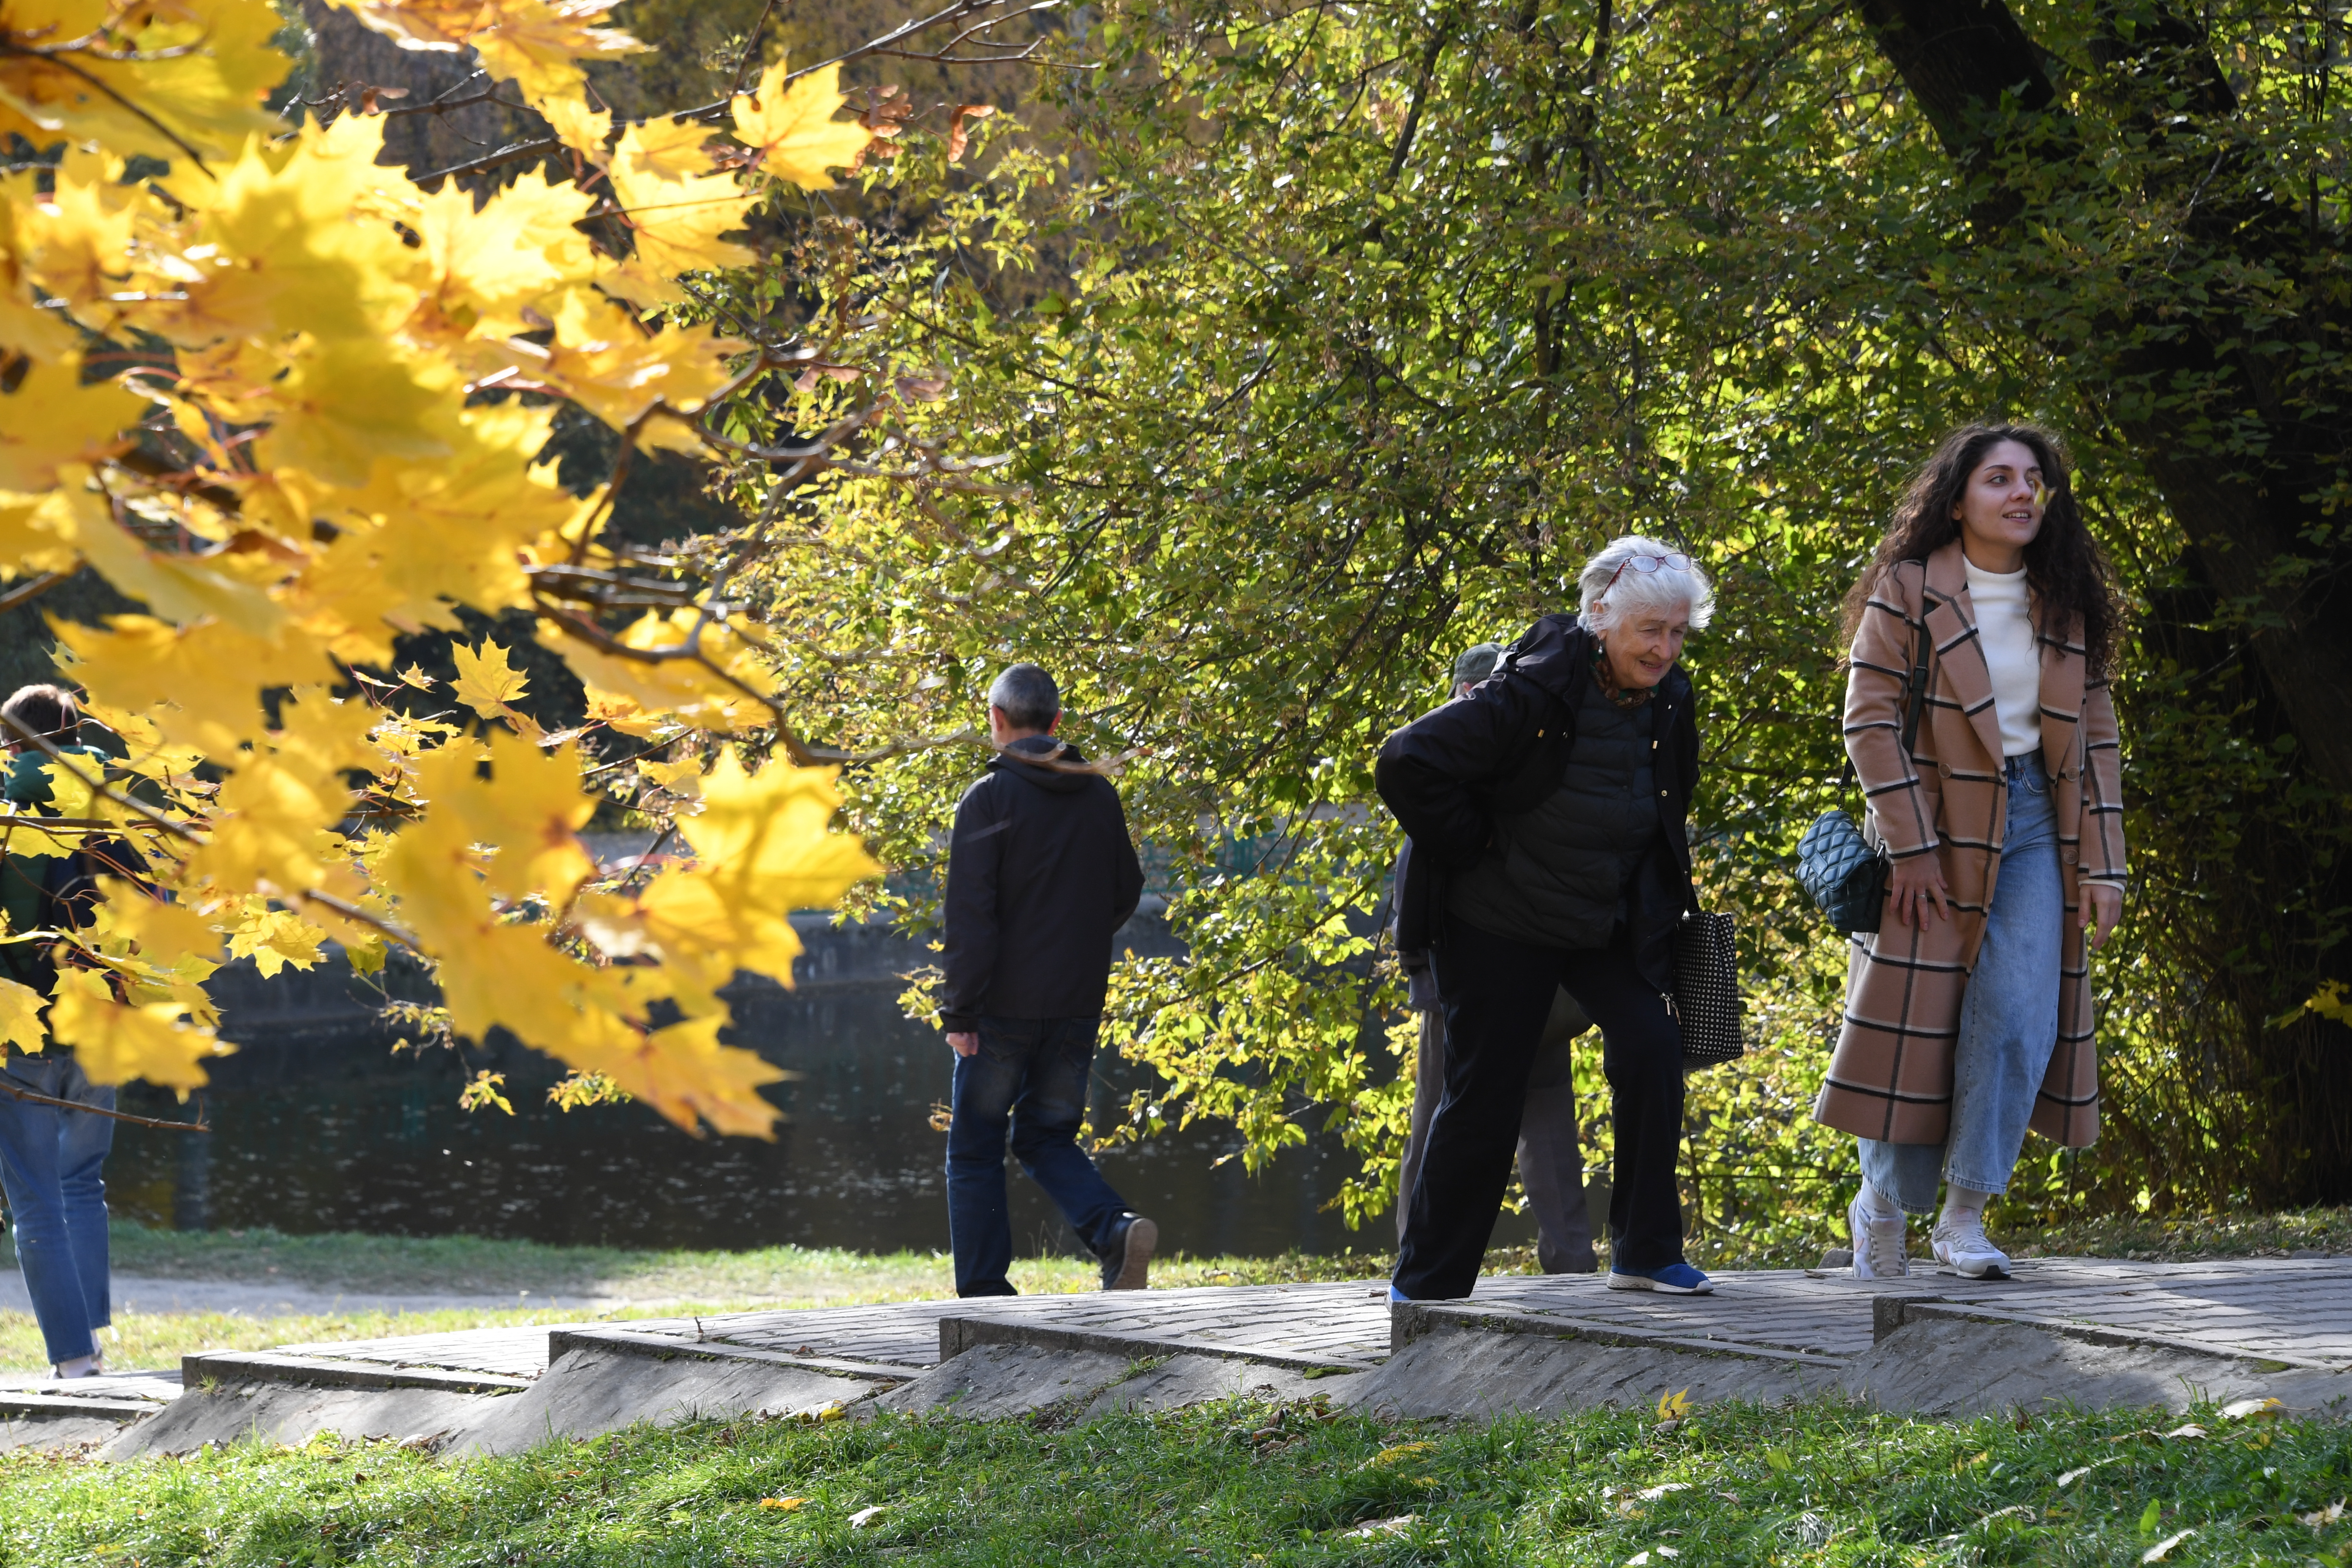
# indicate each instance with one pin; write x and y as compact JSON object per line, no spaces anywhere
{"x":1556,"y":652}
{"x":1052,"y":779}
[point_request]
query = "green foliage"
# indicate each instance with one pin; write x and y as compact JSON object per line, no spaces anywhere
{"x":1322,"y":343}
{"x":1237,"y":1483}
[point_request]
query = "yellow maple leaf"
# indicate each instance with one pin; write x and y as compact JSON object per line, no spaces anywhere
{"x":178,"y":587}
{"x":167,"y":934}
{"x":602,"y":359}
{"x":533,"y":44}
{"x":115,"y":1042}
{"x":791,"y":131}
{"x":529,"y":810}
{"x":489,"y":264}
{"x":486,"y":680}
{"x":675,"y":213}
{"x":684,"y":689}
{"x":270,"y":826}
{"x":192,"y":72}
{"x":51,"y":421}
{"x":583,"y":130}
{"x":274,"y":939}
{"x":20,"y":1017}
{"x":201,"y":685}
{"x":345,"y":403}
{"x":76,"y":241}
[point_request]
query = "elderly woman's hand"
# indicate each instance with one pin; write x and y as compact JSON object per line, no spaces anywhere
{"x":1916,"y":879}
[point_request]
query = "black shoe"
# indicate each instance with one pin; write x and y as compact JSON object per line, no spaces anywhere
{"x":1128,"y":1259}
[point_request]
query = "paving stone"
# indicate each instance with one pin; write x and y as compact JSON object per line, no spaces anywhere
{"x":1186,"y":1380}
{"x":600,"y":1388}
{"x":995,"y":1382}
{"x":1470,"y":1373}
{"x":291,"y":1413}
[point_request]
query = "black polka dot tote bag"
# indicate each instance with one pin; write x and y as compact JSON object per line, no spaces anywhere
{"x":1707,"y":990}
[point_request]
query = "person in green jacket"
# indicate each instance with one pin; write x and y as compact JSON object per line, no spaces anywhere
{"x":52,"y":1161}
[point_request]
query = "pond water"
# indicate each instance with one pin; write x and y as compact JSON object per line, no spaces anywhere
{"x":318,"y":1126}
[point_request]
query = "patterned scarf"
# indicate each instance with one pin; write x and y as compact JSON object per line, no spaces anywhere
{"x":1624,"y":699}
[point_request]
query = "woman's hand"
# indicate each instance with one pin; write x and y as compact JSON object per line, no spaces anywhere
{"x":1915,"y":881}
{"x":2103,"y":906}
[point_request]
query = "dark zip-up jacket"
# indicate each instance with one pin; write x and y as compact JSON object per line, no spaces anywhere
{"x":1041,"y":875}
{"x":1502,"y":751}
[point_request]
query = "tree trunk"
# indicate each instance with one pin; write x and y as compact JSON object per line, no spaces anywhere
{"x":2249,"y":519}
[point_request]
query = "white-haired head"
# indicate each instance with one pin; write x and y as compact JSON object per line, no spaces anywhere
{"x":1631,"y":573}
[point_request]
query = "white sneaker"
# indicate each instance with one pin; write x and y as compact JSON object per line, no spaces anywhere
{"x":1878,"y":1249}
{"x":1962,"y":1246}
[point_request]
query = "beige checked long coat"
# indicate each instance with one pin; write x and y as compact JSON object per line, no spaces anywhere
{"x":1891,"y":1078}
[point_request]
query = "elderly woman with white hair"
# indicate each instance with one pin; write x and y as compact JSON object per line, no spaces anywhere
{"x":1553,"y":799}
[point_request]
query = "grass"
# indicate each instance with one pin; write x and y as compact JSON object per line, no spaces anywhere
{"x":1821,"y":1483}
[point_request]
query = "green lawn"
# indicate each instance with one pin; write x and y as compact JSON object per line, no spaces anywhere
{"x":1233,"y":1484}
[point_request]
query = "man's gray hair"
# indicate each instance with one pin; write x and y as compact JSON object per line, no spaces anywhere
{"x":1614,"y":578}
{"x":1027,"y":695}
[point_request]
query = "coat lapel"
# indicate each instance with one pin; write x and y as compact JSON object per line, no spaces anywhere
{"x":1953,"y":624}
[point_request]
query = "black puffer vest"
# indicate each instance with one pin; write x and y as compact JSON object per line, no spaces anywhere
{"x":1556,"y":875}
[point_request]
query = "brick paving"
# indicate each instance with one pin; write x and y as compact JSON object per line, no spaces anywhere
{"x":2295,"y":1309}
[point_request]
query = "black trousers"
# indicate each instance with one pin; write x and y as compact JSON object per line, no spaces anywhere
{"x":1496,"y":994}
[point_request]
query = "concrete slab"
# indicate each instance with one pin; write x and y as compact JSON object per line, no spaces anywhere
{"x":1457,"y":1370}
{"x":991,"y":1383}
{"x":1957,"y":1365}
{"x":1186,"y":1380}
{"x":294,"y":1412}
{"x":59,"y":1432}
{"x":597,"y":1385}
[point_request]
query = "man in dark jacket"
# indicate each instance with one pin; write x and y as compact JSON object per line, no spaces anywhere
{"x":1548,"y":817}
{"x":1041,"y":875}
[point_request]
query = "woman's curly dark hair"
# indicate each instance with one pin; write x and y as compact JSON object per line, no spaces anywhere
{"x":2071,"y":577}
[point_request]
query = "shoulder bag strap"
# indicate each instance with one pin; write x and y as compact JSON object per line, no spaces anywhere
{"x":1916,"y":697}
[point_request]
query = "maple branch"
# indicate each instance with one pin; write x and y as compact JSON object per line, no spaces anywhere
{"x":9,"y":1086}
{"x":98,"y":787}
{"x":750,"y":49}
{"x":31,"y":589}
{"x":885,"y":45}
{"x":8,"y":46}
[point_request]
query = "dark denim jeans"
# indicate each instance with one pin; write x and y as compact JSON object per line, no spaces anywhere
{"x":51,"y":1164}
{"x":1031,"y":1072}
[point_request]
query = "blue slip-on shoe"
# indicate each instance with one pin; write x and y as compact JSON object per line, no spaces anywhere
{"x":1674,"y":1279}
{"x":1397,"y":1298}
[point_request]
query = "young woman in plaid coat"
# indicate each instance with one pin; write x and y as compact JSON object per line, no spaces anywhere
{"x":1969,"y":1014}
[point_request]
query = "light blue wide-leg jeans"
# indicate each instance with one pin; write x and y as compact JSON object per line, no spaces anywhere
{"x":52,"y":1171}
{"x":2008,"y":1016}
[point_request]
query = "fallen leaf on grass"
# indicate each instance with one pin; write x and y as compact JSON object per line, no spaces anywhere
{"x":785,"y":1503}
{"x":2158,"y":1552}
{"x":1371,"y":1527}
{"x":1641,"y":1557}
{"x":1402,"y":1451}
{"x":2247,"y":1409}
{"x":866,"y":1516}
{"x":2070,"y":1477}
{"x":2320,"y":1519}
{"x":1653,"y":1494}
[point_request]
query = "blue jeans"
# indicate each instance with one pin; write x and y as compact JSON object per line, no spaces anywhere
{"x":50,"y":1162}
{"x":1033,"y":1072}
{"x":2008,"y":1017}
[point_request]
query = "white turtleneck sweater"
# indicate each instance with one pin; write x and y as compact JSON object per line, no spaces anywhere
{"x":2005,"y":629}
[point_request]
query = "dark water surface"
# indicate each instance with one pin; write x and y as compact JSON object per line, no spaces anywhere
{"x":318,"y":1126}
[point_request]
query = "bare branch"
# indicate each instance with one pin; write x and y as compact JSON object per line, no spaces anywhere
{"x":9,"y":1086}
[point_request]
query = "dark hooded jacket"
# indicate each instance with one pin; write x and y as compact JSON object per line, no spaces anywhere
{"x":1041,"y":875}
{"x":1501,"y":752}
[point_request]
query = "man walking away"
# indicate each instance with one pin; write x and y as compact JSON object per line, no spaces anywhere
{"x":1041,"y":875}
{"x":1551,"y":1158}
{"x":51,"y":1160}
